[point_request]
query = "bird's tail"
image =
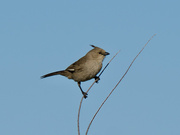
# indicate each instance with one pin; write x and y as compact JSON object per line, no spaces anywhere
{"x":63,"y":72}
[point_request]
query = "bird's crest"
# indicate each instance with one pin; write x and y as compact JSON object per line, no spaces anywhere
{"x":93,"y":46}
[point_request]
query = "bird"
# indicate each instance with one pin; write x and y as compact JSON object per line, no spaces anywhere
{"x":85,"y":68}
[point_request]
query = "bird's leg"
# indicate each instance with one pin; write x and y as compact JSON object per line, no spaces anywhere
{"x":96,"y":79}
{"x":84,"y":93}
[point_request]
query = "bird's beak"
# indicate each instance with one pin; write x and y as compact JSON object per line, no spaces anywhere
{"x":106,"y":53}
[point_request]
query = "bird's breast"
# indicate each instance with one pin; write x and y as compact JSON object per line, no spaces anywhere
{"x":89,"y":70}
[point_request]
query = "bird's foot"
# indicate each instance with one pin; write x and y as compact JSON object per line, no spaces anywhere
{"x":96,"y":79}
{"x":85,"y":94}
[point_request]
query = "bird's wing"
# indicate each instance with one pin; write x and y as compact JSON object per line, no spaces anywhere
{"x":78,"y":65}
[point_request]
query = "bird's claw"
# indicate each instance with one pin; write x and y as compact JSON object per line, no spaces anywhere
{"x":97,"y":79}
{"x":85,"y":95}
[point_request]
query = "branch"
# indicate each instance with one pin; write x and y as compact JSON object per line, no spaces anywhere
{"x":117,"y":84}
{"x":88,"y":91}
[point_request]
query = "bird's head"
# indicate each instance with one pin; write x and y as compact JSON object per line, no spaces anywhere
{"x":97,"y":53}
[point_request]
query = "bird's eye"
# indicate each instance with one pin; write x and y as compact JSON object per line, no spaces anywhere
{"x":100,"y":53}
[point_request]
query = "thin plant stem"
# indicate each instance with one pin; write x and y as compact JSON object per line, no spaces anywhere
{"x":79,"y":110}
{"x":117,"y":84}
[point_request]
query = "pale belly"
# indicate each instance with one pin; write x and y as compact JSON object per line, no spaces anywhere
{"x":91,"y":70}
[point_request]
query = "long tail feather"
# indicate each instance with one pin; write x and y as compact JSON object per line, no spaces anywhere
{"x":54,"y":73}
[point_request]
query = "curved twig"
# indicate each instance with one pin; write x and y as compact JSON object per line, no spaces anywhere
{"x":117,"y":84}
{"x":88,"y":91}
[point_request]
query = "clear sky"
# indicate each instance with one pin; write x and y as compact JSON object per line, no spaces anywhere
{"x":42,"y":36}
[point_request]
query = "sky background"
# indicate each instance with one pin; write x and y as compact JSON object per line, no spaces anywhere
{"x":42,"y":36}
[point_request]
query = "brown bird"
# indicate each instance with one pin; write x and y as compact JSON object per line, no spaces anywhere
{"x":85,"y":68}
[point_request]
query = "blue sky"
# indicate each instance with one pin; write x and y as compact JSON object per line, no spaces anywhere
{"x":42,"y":36}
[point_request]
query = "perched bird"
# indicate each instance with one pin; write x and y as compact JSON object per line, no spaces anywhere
{"x":85,"y":68}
